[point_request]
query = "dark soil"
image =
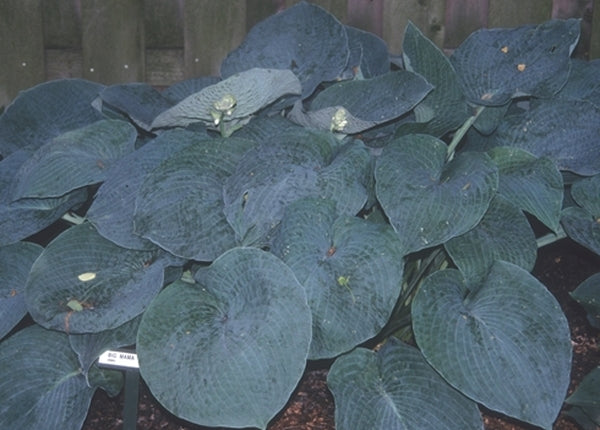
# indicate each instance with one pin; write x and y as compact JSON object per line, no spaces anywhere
{"x":561,"y":267}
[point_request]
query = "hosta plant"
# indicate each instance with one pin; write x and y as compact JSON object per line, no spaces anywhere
{"x":319,"y":200}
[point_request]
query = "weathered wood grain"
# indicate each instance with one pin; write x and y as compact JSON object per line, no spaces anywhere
{"x":513,"y":13}
{"x":21,"y":47}
{"x":427,"y":15}
{"x":211,"y":30}
{"x":113,"y":40}
{"x":162,"y":42}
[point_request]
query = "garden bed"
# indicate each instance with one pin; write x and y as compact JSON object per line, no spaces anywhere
{"x":561,"y":267}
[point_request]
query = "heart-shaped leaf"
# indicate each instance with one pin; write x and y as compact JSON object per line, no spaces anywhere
{"x":74,"y":159}
{"x":15,"y":262}
{"x":351,"y":270}
{"x":230,"y":349}
{"x":565,"y":131}
{"x":90,"y":346}
{"x":350,"y":107}
{"x":445,"y":108}
{"x":182,"y":89}
{"x":41,"y":383}
{"x":292,"y":165}
{"x":83,"y":283}
{"x":138,"y":101}
{"x":180,"y":204}
{"x":583,"y":82}
{"x":234,"y":98}
{"x":503,"y":234}
{"x":395,"y":388}
{"x":114,"y":203}
{"x":587,"y":294}
{"x":427,"y":200}
{"x":582,"y":226}
{"x":369,"y":56}
{"x":495,"y":65}
{"x":532,"y":184}
{"x":489,"y":118}
{"x":304,"y":38}
{"x":46,"y":111}
{"x":585,"y":401}
{"x":505,"y":343}
{"x":19,"y":220}
{"x":586,"y":192}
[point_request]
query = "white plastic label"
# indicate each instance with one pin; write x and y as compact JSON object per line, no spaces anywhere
{"x":119,"y":359}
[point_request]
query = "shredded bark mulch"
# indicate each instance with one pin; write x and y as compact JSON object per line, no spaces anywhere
{"x":561,"y":267}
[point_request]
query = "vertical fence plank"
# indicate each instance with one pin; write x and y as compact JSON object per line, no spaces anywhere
{"x":163,"y":31}
{"x":514,"y":13}
{"x":595,"y":33}
{"x":62,"y":38}
{"x":163,"y":24}
{"x":257,"y":10}
{"x":21,"y":47}
{"x":339,"y":8}
{"x":563,"y":9}
{"x":462,"y":18}
{"x":427,"y":15}
{"x":113,"y":40}
{"x":62,"y":24}
{"x":367,"y":16}
{"x":336,"y":7}
{"x":211,"y":30}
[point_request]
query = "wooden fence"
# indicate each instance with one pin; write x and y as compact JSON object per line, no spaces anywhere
{"x":164,"y":41}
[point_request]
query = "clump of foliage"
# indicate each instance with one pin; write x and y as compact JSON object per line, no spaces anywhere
{"x":318,"y":201}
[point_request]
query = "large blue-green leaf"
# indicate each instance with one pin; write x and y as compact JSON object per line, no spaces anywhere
{"x":46,"y":111}
{"x":445,"y":108}
{"x":15,"y":262}
{"x":565,"y":131}
{"x":504,"y":343}
{"x":503,"y":234}
{"x":304,"y":38}
{"x":19,"y":220}
{"x":585,"y":401}
{"x":489,"y":118}
{"x":292,"y":165}
{"x":114,"y":203}
{"x":182,"y":89}
{"x":180,"y":204}
{"x":428,"y":200}
{"x":495,"y":65}
{"x":347,"y":178}
{"x":395,"y":388}
{"x":532,"y":184}
{"x":369,"y":56}
{"x":351,"y":270}
{"x":583,"y":83}
{"x":138,"y":101}
{"x":229,"y":349}
{"x":350,"y":107}
{"x":74,"y":159}
{"x":582,"y":226}
{"x":41,"y":383}
{"x":586,"y":192}
{"x":265,"y":127}
{"x":83,"y":283}
{"x":89,"y":346}
{"x":582,"y":223}
{"x":234,"y":98}
{"x":587,"y":294}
